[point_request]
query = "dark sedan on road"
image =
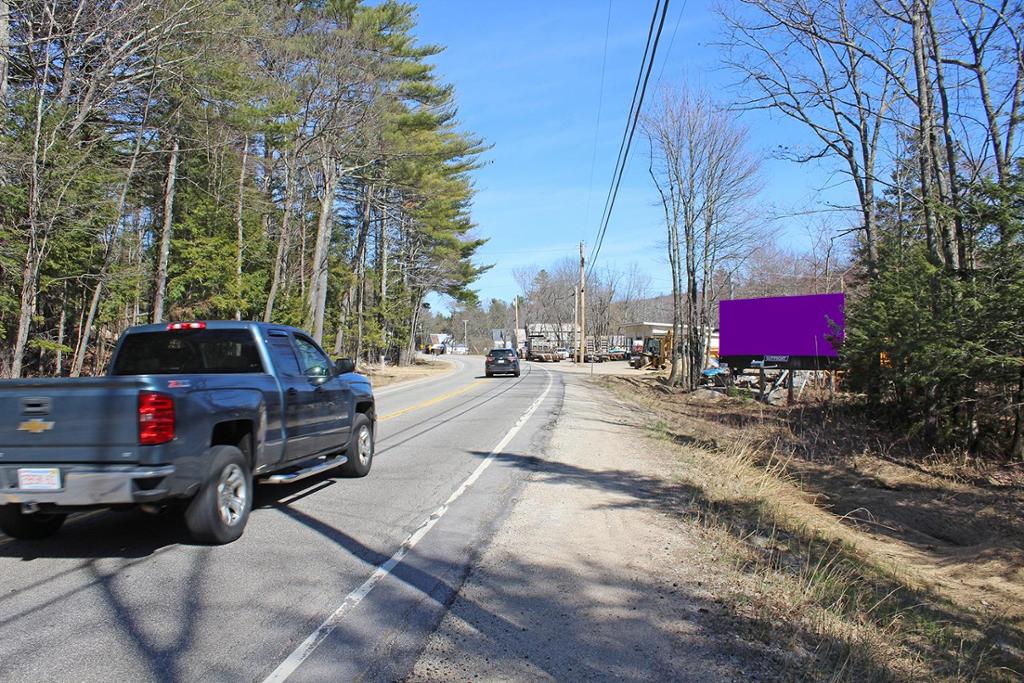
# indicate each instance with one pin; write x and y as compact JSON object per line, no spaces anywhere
{"x":501,"y":361}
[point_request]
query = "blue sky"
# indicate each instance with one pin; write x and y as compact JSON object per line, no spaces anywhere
{"x":528,"y":80}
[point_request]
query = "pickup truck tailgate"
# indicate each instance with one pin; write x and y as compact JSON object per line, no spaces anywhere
{"x":93,"y":419}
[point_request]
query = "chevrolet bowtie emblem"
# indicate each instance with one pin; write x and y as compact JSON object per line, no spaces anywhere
{"x":35,"y":426}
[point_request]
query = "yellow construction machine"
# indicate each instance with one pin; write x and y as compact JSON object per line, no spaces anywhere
{"x":656,"y":354}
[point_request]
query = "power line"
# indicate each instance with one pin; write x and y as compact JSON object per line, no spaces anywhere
{"x":639,"y":91}
{"x":627,"y":131}
{"x":668,"y":52}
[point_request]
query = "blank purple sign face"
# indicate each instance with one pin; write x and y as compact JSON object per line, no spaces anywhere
{"x":781,"y":325}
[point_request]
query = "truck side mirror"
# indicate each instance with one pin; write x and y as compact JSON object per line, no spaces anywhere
{"x":343,"y":366}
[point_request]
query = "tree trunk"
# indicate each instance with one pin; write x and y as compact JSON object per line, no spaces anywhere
{"x":924,"y":135}
{"x":676,"y":359}
{"x":870,"y":224}
{"x":1017,"y":445}
{"x":5,"y":50}
{"x":956,"y":254}
{"x":941,"y":180}
{"x":359,"y":313}
{"x":356,"y":268}
{"x":318,"y":281}
{"x":282,"y":244}
{"x":410,"y":351}
{"x":137,"y":257}
{"x":689,"y":339}
{"x":160,"y":288}
{"x":382,"y":250}
{"x":240,"y":236}
{"x":26,"y":309}
{"x":58,"y":370}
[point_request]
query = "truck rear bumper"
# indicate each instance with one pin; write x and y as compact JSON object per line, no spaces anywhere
{"x":92,"y":485}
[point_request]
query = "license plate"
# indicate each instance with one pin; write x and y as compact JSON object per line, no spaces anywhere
{"x":501,"y":362}
{"x":38,"y":478}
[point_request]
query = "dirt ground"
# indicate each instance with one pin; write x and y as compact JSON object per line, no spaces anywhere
{"x":941,"y":540}
{"x":393,"y":374}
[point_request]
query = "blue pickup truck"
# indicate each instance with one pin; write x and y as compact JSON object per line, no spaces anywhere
{"x":189,"y":416}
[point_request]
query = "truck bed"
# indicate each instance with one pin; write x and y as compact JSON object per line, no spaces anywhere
{"x":88,"y":419}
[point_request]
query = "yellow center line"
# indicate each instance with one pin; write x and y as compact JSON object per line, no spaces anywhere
{"x":430,"y":401}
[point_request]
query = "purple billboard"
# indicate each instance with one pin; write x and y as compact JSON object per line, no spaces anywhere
{"x":793,"y":326}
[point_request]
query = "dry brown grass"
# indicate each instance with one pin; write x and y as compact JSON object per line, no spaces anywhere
{"x":829,"y":548}
{"x":393,"y":374}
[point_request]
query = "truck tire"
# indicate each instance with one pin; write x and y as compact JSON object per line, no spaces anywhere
{"x":360,"y":448}
{"x":31,"y":527}
{"x":218,"y":513}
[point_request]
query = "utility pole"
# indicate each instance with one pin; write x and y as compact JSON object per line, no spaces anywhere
{"x":465,"y":334}
{"x":515,"y":332}
{"x":583,"y":308}
{"x":575,"y":323}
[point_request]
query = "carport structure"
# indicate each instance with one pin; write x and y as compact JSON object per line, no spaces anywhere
{"x":644,"y":331}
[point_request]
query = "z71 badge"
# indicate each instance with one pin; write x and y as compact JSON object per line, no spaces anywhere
{"x":36,"y":426}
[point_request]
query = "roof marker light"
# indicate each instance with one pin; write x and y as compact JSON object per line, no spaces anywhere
{"x":187,"y":326}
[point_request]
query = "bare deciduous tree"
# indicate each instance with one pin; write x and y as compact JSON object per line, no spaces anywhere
{"x":706,"y":177}
{"x":806,"y":59}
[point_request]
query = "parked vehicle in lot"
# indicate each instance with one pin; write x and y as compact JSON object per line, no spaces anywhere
{"x":563,"y":353}
{"x":501,"y":361}
{"x":188,"y":417}
{"x":542,"y":350}
{"x":617,"y":353}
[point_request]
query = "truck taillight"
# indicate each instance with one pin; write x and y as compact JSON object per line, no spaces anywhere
{"x":156,"y":418}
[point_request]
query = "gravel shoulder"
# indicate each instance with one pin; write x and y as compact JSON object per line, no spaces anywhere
{"x":590,"y":577}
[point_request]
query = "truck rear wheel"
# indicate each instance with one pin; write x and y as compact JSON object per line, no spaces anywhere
{"x":360,"y":448}
{"x":218,"y":513}
{"x":29,"y":527}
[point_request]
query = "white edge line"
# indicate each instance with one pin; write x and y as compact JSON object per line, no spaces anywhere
{"x":306,"y":648}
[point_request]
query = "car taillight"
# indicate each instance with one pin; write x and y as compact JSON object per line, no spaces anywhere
{"x":490,"y":358}
{"x":156,"y":418}
{"x":199,"y":325}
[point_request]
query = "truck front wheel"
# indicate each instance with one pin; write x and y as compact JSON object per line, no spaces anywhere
{"x":219,"y":511}
{"x":360,"y":448}
{"x":29,"y":527}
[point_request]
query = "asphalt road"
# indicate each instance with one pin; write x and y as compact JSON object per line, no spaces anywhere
{"x":334,"y":579}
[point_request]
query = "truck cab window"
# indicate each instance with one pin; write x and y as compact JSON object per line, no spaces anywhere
{"x":188,"y":351}
{"x":284,"y":356}
{"x":313,"y":361}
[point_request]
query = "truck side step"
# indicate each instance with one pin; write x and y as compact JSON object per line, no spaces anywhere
{"x":316,"y":468}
